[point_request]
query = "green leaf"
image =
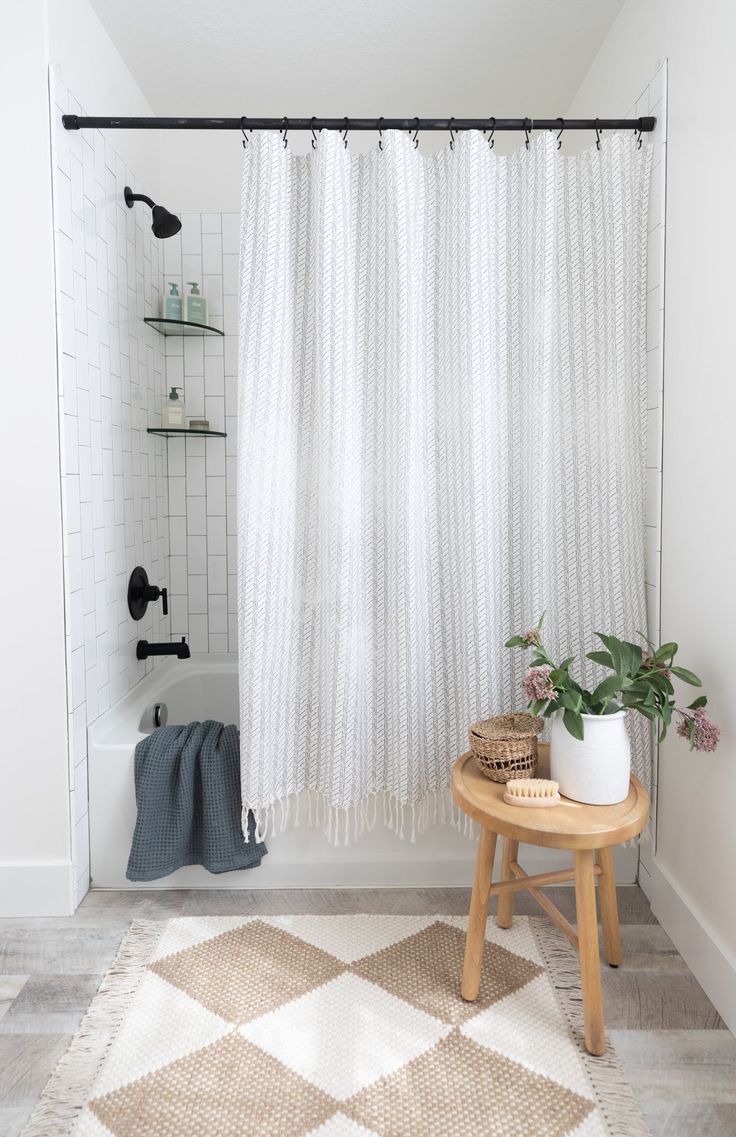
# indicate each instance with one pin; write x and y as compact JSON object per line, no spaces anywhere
{"x":608,"y":688}
{"x":687,"y":676}
{"x":616,"y":649}
{"x":566,"y":663}
{"x":541,"y":621}
{"x":515,"y":641}
{"x":572,"y":700}
{"x":699,"y":702}
{"x":602,"y":657}
{"x":574,"y":724}
{"x":665,"y":652}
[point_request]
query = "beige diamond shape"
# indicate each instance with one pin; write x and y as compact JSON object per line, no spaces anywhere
{"x":425,"y":970}
{"x":460,"y":1087}
{"x":229,"y":1088}
{"x":248,"y":971}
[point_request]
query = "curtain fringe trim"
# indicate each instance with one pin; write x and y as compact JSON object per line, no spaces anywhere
{"x":343,"y":825}
{"x":612,"y":1090}
{"x":68,"y":1088}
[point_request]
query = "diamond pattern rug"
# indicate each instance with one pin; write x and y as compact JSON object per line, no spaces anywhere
{"x":335,"y":1026}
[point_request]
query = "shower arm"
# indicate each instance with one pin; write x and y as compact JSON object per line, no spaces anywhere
{"x":643,"y":125}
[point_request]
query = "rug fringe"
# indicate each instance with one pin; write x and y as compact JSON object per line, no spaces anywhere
{"x":611,"y":1087}
{"x":343,"y":825}
{"x":68,"y":1088}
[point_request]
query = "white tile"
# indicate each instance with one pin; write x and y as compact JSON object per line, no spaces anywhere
{"x":230,"y":232}
{"x":193,"y":358}
{"x":653,"y":495}
{"x":212,"y":287}
{"x":198,"y":638}
{"x":214,"y":375}
{"x":197,"y":594}
{"x":178,"y":536}
{"x":217,"y":612}
{"x":211,"y":253}
{"x":230,"y":274}
{"x":217,"y":575}
{"x":216,"y":537}
{"x":196,"y":515}
{"x":196,"y":555}
{"x":211,"y":223}
{"x":191,"y":233}
{"x":196,"y":485}
{"x":218,"y":643}
{"x":178,"y":573}
{"x":216,"y":501}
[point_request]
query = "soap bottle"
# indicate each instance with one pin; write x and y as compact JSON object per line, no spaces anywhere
{"x":195,"y":304}
{"x":171,"y":304}
{"x":173,"y":410}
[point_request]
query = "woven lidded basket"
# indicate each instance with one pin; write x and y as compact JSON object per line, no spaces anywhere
{"x":506,"y":745}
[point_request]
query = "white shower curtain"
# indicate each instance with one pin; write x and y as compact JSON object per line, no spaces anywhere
{"x":441,"y":435}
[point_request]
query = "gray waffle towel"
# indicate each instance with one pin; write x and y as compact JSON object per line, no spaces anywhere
{"x":187,"y":788}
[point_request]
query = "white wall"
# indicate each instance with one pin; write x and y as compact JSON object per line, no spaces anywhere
{"x":34,"y":803}
{"x":695,"y":858}
{"x":90,"y":66}
{"x":111,"y":387}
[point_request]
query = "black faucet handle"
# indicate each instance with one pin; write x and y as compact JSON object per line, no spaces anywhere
{"x":164,"y":601}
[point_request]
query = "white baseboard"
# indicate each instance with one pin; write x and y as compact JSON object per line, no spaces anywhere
{"x":711,"y":963}
{"x":43,"y":889}
{"x":408,"y":866}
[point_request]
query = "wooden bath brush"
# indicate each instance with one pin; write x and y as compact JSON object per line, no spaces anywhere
{"x":531,"y":791}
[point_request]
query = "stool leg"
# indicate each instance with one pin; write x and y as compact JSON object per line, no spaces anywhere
{"x":590,"y":964}
{"x":505,"y":910}
{"x":475,"y":938}
{"x":609,"y":907}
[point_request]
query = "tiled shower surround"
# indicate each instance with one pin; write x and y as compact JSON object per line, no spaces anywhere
{"x":202,"y":472}
{"x":111,"y":384}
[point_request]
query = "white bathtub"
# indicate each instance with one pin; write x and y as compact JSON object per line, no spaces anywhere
{"x":206,"y":687}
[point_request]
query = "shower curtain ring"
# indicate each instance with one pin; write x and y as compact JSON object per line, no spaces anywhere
{"x":346,"y":120}
{"x":285,"y":129}
{"x":452,"y":134}
{"x":243,"y":125}
{"x":380,"y":133}
{"x":597,"y":135}
{"x":492,"y":121}
{"x":415,"y":139}
{"x":314,"y":136}
{"x":559,"y":135}
{"x":527,"y":129}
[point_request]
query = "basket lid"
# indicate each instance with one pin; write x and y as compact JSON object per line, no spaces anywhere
{"x":519,"y":724}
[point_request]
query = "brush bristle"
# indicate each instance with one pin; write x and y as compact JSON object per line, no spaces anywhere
{"x":532,"y":787}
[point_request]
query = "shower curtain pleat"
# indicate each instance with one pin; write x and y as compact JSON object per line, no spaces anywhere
{"x":441,"y":435}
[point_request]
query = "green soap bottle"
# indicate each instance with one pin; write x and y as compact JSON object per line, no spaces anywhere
{"x":196,"y":305}
{"x":171,"y":304}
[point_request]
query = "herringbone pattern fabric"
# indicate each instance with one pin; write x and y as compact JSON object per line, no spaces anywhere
{"x":442,"y":434}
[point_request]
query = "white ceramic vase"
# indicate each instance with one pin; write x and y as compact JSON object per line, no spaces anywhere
{"x":595,"y":770}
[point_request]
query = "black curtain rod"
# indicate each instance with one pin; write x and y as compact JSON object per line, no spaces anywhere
{"x":79,"y":122}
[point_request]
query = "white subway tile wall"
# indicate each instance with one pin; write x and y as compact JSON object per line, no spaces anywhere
{"x":202,"y":472}
{"x":111,"y":386}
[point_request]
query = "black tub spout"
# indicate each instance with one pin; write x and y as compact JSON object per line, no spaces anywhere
{"x":180,"y":650}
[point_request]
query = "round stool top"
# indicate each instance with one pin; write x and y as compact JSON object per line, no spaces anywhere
{"x":570,"y":825}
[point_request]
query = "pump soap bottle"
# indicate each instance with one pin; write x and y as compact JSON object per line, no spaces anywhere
{"x":173,"y":410}
{"x":171,"y":304}
{"x":195,"y":305}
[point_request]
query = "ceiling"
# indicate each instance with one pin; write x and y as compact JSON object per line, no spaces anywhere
{"x":359,"y":57}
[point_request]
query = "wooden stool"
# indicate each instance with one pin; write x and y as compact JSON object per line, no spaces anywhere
{"x":589,"y":831}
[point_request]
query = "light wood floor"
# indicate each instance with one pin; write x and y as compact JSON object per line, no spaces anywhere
{"x":679,"y":1057}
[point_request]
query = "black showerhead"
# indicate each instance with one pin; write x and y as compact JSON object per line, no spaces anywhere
{"x":164,"y":224}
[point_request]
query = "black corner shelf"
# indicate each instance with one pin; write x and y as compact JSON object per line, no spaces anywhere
{"x":179,"y":431}
{"x":180,"y":327}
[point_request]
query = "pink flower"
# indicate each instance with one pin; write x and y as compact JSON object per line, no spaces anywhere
{"x":531,"y":638}
{"x":699,"y":731}
{"x":538,"y":685}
